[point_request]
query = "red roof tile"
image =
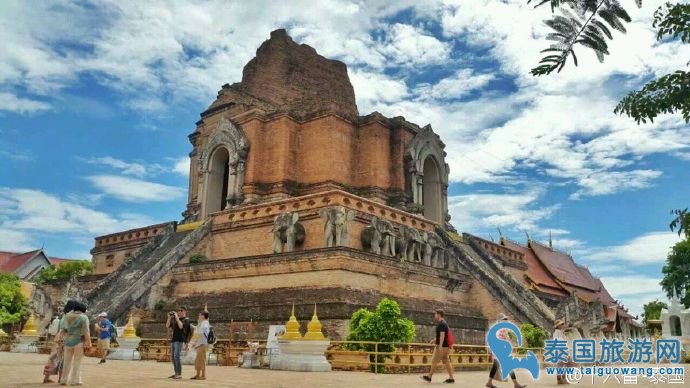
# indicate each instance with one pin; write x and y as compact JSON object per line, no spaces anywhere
{"x":563,"y":267}
{"x":11,"y":261}
{"x":536,"y":272}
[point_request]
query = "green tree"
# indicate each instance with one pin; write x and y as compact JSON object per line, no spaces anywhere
{"x":682,"y":222}
{"x":588,"y":23}
{"x":677,"y":272}
{"x":12,"y":303}
{"x":385,"y":324}
{"x":652,"y":310}
{"x":533,"y":336}
{"x":65,"y":271}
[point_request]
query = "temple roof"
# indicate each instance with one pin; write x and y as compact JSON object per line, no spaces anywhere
{"x":563,"y":268}
{"x":12,"y":261}
{"x":536,"y":272}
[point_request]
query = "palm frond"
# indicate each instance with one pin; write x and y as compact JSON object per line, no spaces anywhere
{"x":588,"y":23}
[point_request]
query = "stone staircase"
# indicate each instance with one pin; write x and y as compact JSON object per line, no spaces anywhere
{"x":125,"y":286}
{"x":519,"y":301}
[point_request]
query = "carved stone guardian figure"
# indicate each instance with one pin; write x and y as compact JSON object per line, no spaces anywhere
{"x":336,"y":227}
{"x":379,"y":237}
{"x":371,"y":237}
{"x":433,"y":249}
{"x":414,"y":245}
{"x":287,"y":230}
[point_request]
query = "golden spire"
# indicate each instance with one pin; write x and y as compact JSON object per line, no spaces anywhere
{"x":314,"y":328}
{"x":206,"y":307}
{"x":129,"y":331}
{"x":2,"y":333}
{"x":30,"y":326}
{"x":292,"y":328}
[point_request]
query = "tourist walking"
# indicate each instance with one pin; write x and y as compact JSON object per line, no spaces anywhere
{"x":104,"y":330}
{"x":442,"y":348}
{"x":54,"y":364}
{"x":181,"y":332}
{"x":75,"y":327}
{"x":201,"y":346}
{"x":495,"y":372}
{"x":559,"y":334}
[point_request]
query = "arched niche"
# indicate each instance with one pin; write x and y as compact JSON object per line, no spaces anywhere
{"x":217,"y":180}
{"x":675,"y":326}
{"x":432,"y":196}
{"x":222,"y":165}
{"x":427,"y":176}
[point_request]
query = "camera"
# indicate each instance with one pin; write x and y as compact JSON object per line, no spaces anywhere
{"x":172,"y":313}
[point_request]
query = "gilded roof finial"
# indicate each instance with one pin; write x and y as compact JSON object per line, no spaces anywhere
{"x":292,"y":328}
{"x":129,"y":331}
{"x":30,"y":326}
{"x":314,"y":328}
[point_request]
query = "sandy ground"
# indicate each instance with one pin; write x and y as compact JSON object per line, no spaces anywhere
{"x":25,"y":370}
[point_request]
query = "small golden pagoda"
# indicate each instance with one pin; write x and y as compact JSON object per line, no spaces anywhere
{"x":129,"y":331}
{"x":2,"y":333}
{"x":292,"y":329}
{"x":314,"y":328}
{"x":30,"y":327}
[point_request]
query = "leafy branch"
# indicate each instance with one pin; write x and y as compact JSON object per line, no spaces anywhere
{"x":581,"y":22}
{"x":671,"y":92}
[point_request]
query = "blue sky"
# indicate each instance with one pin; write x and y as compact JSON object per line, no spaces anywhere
{"x":97,"y":100}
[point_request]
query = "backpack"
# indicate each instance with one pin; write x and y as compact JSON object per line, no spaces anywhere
{"x":451,"y":339}
{"x":211,"y":337}
{"x":113,"y":332}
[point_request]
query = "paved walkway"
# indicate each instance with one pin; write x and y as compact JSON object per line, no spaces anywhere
{"x":25,"y":370}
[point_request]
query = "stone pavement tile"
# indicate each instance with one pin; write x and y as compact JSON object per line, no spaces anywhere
{"x":25,"y":371}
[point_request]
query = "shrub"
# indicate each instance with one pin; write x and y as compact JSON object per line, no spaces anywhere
{"x":385,"y":324}
{"x":12,"y":303}
{"x":533,"y":336}
{"x":160,"y":305}
{"x":64,"y":271}
{"x":197,"y":259}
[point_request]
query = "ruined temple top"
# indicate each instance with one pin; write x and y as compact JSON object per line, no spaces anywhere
{"x":288,"y":77}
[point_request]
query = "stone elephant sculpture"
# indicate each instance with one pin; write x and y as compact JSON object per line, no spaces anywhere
{"x":335,"y":229}
{"x":287,"y":230}
{"x":379,"y":237}
{"x":434,"y":248}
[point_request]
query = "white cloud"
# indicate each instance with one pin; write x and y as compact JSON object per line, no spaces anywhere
{"x":27,"y":211}
{"x":130,"y":189}
{"x":11,"y":103}
{"x":649,"y":248}
{"x":127,"y":168}
{"x":15,"y":240}
{"x":634,"y":291}
{"x":181,"y":166}
{"x":458,"y":85}
{"x":518,"y":211}
{"x":412,"y":46}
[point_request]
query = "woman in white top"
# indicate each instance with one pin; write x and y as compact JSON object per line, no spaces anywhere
{"x":201,"y":346}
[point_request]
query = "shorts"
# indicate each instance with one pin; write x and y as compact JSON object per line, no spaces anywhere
{"x":103,"y":344}
{"x":440,"y":354}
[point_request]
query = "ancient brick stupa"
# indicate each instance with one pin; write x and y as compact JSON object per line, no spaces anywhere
{"x":296,"y":198}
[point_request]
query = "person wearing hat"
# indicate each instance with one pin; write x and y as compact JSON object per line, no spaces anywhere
{"x":496,"y":367}
{"x":103,"y":328}
{"x":559,"y":334}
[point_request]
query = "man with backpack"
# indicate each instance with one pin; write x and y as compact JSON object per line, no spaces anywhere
{"x":104,"y":330}
{"x":444,"y":342}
